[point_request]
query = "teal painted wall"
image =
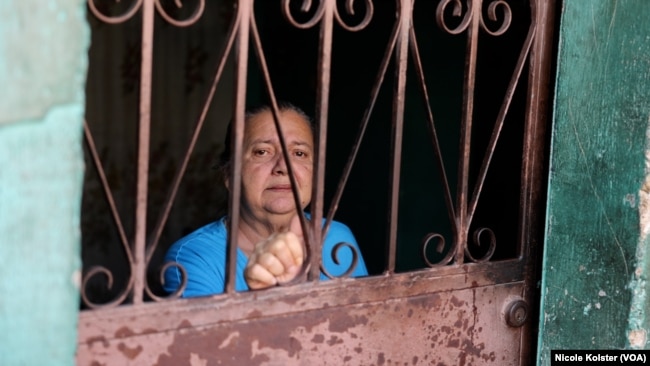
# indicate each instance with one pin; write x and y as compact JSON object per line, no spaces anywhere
{"x":595,"y":262}
{"x":42,"y":73}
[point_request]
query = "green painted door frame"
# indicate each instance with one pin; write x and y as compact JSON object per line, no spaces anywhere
{"x":595,"y":261}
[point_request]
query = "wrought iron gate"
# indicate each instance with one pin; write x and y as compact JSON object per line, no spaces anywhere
{"x":468,"y":306}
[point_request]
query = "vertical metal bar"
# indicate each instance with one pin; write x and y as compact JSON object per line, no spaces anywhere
{"x":180,"y":173}
{"x":245,"y":9}
{"x":148,"y":12}
{"x":322,"y":103}
{"x":419,"y":70}
{"x":462,"y":220}
{"x":501,"y":117}
{"x":401,"y":60}
{"x":532,"y":193}
{"x":364,"y":124}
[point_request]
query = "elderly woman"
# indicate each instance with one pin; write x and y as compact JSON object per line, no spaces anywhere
{"x":270,"y":248}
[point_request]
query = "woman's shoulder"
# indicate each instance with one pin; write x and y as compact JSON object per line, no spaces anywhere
{"x":207,"y":237}
{"x":339,"y":227}
{"x":339,"y":232}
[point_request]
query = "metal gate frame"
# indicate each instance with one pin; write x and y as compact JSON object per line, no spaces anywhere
{"x":434,"y":308}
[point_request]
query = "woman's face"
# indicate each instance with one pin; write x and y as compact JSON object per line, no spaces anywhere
{"x":266,"y":186}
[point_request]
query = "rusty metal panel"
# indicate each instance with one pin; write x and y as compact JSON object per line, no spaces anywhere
{"x":462,"y":327}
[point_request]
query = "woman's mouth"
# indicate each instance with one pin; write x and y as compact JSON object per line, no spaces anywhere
{"x":280,"y":188}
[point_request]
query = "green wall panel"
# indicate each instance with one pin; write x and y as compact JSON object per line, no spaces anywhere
{"x":597,"y":168}
{"x":42,"y":72}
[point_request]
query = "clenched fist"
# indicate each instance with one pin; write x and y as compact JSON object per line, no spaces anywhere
{"x":277,"y":259}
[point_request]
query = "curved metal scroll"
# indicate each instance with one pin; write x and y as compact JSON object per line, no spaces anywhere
{"x":439,"y":248}
{"x":181,"y":23}
{"x":458,"y":9}
{"x":335,"y":256}
{"x":320,"y":11}
{"x":114,"y":19}
{"x":198,"y":12}
{"x":478,"y":234}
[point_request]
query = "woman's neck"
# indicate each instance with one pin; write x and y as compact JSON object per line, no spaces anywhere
{"x":252,"y":231}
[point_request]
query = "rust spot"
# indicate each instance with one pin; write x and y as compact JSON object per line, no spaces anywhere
{"x":491,"y":357}
{"x":474,"y":350}
{"x":149,"y":331}
{"x":95,"y":363}
{"x":334,"y":340}
{"x":91,"y":340}
{"x":130,"y":353}
{"x":430,"y":302}
{"x":415,"y":360}
{"x":254,"y":314}
{"x":458,"y":303}
{"x":318,"y":338}
{"x":358,"y":349}
{"x":462,"y":359}
{"x":454,"y":343}
{"x":410,"y":313}
{"x":124,"y":332}
{"x":343,"y":322}
{"x":380,"y":359}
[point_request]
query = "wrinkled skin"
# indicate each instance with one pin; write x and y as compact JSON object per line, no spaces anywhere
{"x":269,"y":230}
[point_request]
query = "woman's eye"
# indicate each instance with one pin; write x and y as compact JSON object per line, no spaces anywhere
{"x":300,"y":154}
{"x":261,"y":152}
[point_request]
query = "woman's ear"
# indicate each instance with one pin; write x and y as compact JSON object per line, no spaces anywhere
{"x":225,"y":171}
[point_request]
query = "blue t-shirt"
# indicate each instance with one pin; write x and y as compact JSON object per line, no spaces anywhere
{"x":202,"y":254}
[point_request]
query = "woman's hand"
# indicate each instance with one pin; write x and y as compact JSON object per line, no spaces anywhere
{"x":276,"y":260}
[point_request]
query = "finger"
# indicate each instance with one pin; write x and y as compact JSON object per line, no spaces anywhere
{"x":289,"y":275}
{"x":272,"y":264}
{"x":282,"y":247}
{"x":257,"y":277}
{"x":296,"y":248}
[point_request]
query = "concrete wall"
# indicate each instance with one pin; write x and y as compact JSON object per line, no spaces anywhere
{"x":42,"y":73}
{"x":595,"y":256}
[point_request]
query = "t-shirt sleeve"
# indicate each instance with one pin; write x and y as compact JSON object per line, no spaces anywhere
{"x":338,"y":260}
{"x":204,"y":276}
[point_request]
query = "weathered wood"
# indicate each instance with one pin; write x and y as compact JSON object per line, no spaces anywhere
{"x":599,"y":150}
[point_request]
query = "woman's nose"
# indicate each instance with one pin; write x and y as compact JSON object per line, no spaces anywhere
{"x":280,"y":166}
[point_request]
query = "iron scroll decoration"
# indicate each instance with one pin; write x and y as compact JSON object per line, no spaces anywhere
{"x":102,"y":270}
{"x":198,"y":12}
{"x":320,"y":11}
{"x":317,"y":17}
{"x":135,"y":6}
{"x":457,"y":11}
{"x":470,"y":12}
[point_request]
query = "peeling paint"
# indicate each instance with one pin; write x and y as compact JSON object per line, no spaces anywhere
{"x":637,"y":338}
{"x":436,"y":328}
{"x":638,"y":317}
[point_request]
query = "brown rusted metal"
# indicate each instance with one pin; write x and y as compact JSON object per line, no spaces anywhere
{"x":538,"y":106}
{"x":353,"y":321}
{"x":320,"y":138}
{"x":142,"y":189}
{"x":244,"y":13}
{"x":401,"y":59}
{"x":459,"y":311}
